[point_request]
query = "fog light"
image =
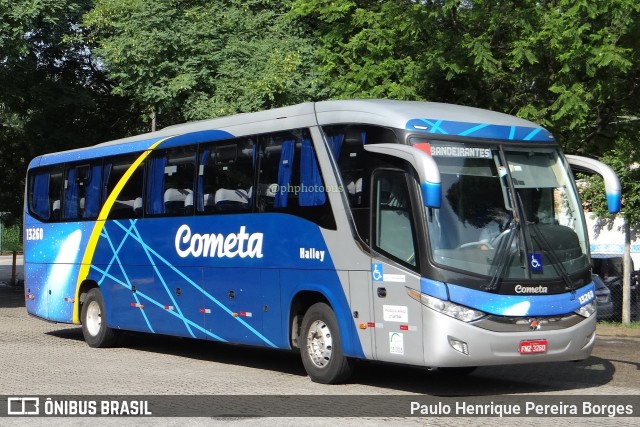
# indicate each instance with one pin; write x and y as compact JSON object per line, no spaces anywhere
{"x":459,"y":346}
{"x":588,"y":339}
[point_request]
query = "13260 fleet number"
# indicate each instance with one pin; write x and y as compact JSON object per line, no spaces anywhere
{"x":34,"y":233}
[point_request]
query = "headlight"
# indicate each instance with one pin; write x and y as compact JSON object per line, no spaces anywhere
{"x":587,"y":310}
{"x":456,"y":311}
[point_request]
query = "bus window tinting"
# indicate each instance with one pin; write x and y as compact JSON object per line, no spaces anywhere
{"x":289,"y":179}
{"x":170,"y":181}
{"x":128,"y":202}
{"x":346,"y":143}
{"x":212,"y":178}
{"x":393,"y":230}
{"x":44,"y":198}
{"x":82,"y":191}
{"x":225,"y":177}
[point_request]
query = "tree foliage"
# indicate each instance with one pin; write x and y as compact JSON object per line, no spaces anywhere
{"x":198,"y":59}
{"x":75,"y":72}
{"x":567,"y":64}
{"x":53,"y":96}
{"x":570,"y":65}
{"x":592,"y":191}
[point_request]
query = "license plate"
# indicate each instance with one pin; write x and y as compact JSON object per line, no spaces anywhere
{"x":533,"y":347}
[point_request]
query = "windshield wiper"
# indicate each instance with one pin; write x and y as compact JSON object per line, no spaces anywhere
{"x":555,"y":261}
{"x":502,"y":255}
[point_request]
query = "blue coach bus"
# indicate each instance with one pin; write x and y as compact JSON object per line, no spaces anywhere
{"x":407,"y":232}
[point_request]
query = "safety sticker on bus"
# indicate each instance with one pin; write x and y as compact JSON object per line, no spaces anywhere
{"x":395,"y":313}
{"x":396,"y":343}
{"x":378,"y":275}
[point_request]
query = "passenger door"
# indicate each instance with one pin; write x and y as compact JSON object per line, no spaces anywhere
{"x":394,"y":267}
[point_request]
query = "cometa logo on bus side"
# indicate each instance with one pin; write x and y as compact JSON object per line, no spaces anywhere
{"x":218,"y":245}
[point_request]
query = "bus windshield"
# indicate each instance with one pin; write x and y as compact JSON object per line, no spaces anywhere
{"x":506,"y":213}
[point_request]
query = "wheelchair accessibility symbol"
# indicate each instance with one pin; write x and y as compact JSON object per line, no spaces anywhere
{"x":376,"y":272}
{"x":535,"y":261}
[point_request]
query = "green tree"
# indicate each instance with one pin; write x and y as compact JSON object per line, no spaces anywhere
{"x":570,"y":65}
{"x":198,"y":59}
{"x":593,"y":192}
{"x":368,"y":49}
{"x":54,"y":96}
{"x":11,"y":239}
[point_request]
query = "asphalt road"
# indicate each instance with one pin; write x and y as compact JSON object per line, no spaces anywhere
{"x":41,"y":358}
{"x":47,"y":359}
{"x":7,"y":270}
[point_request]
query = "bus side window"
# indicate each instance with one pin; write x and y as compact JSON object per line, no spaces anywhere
{"x":224,"y":181}
{"x":92,"y":204}
{"x":393,"y":229}
{"x":346,"y":143}
{"x":131,"y":193}
{"x":82,"y":191}
{"x":55,"y":192}
{"x":290,"y":180}
{"x":170,"y":182}
{"x":277,"y":157}
{"x":351,"y":163}
{"x":72,"y":184}
{"x":39,"y":191}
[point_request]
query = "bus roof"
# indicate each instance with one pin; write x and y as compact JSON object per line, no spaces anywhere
{"x":426,"y":117}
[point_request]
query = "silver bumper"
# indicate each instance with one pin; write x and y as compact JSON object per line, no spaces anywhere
{"x":487,"y":347}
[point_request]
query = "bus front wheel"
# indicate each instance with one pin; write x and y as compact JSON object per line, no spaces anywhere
{"x":94,"y":326}
{"x":321,"y":347}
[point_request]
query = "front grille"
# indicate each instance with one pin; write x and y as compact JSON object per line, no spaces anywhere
{"x":524,"y":324}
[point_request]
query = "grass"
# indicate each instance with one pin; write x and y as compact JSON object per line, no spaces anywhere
{"x":632,"y":325}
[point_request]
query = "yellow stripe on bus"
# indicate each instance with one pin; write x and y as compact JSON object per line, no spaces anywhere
{"x":97,"y":229}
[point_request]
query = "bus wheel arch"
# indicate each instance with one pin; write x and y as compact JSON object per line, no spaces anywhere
{"x":298,"y":307}
{"x":92,"y":317}
{"x":85,"y":287}
{"x":321,"y":346}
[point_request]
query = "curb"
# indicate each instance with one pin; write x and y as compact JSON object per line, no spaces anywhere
{"x":617,"y":331}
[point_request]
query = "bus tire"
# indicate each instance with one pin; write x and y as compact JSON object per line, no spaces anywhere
{"x":321,"y":346}
{"x":94,"y":326}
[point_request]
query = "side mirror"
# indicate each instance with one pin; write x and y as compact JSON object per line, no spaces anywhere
{"x":611,"y":181}
{"x":427,"y":169}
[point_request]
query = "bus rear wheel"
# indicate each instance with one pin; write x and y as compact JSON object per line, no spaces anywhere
{"x":94,"y":326}
{"x":321,"y":346}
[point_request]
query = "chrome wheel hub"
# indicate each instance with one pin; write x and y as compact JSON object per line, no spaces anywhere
{"x":94,"y":318}
{"x":319,"y":344}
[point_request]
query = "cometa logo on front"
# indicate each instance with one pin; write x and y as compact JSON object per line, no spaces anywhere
{"x":531,"y":289}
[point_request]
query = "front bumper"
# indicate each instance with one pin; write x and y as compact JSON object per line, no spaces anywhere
{"x":487,"y":347}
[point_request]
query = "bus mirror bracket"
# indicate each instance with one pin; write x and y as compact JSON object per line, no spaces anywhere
{"x":611,"y":181}
{"x":428,"y":172}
